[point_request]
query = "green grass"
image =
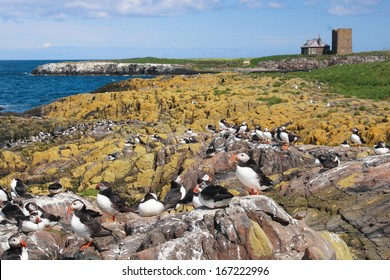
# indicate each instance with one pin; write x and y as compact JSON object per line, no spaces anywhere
{"x":271,"y":100}
{"x":194,"y":63}
{"x":365,"y":80}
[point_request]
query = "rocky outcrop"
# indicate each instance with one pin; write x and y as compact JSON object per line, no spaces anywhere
{"x":309,"y":63}
{"x":250,"y":228}
{"x":88,"y":139}
{"x":352,"y":200}
{"x":110,"y":68}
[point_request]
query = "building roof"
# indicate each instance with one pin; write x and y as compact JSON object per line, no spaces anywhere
{"x":315,"y":43}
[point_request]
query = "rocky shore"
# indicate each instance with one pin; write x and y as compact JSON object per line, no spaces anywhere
{"x":110,"y":68}
{"x":310,"y":212}
{"x":309,"y":63}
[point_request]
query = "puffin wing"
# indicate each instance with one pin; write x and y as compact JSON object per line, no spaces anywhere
{"x":263,"y":179}
{"x":11,"y":254}
{"x":92,"y":213}
{"x":94,"y":227}
{"x":117,"y":201}
{"x":172,"y":198}
{"x":50,"y":217}
{"x":217,"y":193}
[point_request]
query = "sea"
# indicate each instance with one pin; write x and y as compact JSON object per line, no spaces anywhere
{"x":21,"y":91}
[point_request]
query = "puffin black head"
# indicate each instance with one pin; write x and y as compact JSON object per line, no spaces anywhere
{"x":149,"y":196}
{"x":15,"y":241}
{"x":240,"y":157}
{"x":104,"y":187}
{"x":31,"y":207}
{"x":76,"y":205}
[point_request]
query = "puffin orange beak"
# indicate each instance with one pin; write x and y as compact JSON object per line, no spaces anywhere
{"x":69,"y":210}
{"x":38,"y":220}
{"x":23,"y":243}
{"x":196,"y":189}
{"x":97,"y":187}
{"x":233,"y":159}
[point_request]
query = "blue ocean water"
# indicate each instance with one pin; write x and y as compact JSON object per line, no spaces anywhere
{"x":21,"y":91}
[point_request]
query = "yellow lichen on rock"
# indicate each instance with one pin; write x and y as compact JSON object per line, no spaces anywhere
{"x":204,"y":99}
{"x":258,"y":241}
{"x":11,"y":162}
{"x":340,"y":247}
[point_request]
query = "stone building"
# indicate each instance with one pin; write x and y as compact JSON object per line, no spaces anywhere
{"x":342,"y":41}
{"x":315,"y":47}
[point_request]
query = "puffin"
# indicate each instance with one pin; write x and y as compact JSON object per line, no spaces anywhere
{"x":11,"y":213}
{"x":156,"y":138}
{"x":330,"y":160}
{"x":223,"y":124}
{"x":214,"y":196}
{"x":189,"y":132}
{"x":17,"y":249}
{"x":18,"y":189}
{"x":345,"y":144}
{"x":4,"y":196}
{"x":112,"y":157}
{"x":201,"y":182}
{"x":211,"y":128}
{"x":258,"y":134}
{"x":175,"y":194}
{"x":138,"y":140}
{"x":109,"y":201}
{"x":267,"y":135}
{"x":30,"y":223}
{"x":281,"y":136}
{"x":55,"y":188}
{"x":356,"y":138}
{"x":243,"y":127}
{"x":84,"y":225}
{"x":150,"y":205}
{"x":48,"y":219}
{"x":189,"y":140}
{"x":381,"y":148}
{"x":250,"y":174}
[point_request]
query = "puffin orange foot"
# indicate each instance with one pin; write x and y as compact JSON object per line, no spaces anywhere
{"x":86,"y":245}
{"x":255,"y":192}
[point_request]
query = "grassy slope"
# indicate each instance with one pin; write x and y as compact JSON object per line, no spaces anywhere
{"x":198,"y":63}
{"x":366,"y":80}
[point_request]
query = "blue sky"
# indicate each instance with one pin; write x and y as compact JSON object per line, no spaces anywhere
{"x":93,"y":29}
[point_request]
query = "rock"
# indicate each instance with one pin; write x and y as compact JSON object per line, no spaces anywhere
{"x":308,"y":63}
{"x":349,"y":200}
{"x":110,"y":68}
{"x":250,"y":228}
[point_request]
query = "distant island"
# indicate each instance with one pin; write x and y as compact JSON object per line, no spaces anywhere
{"x":159,"y":66}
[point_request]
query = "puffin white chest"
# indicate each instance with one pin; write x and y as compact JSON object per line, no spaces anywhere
{"x":356,"y":139}
{"x":150,"y":207}
{"x":28,"y":226}
{"x":105,"y":204}
{"x":24,"y":255}
{"x":196,"y":202}
{"x":79,"y":228}
{"x":248,"y":177}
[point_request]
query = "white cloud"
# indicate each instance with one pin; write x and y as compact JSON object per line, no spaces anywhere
{"x":251,"y":4}
{"x":353,"y":7}
{"x":275,"y":5}
{"x":65,"y":9}
{"x":10,"y":9}
{"x":47,"y":45}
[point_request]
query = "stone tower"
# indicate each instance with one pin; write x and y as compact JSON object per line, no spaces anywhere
{"x":342,"y":41}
